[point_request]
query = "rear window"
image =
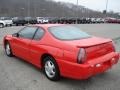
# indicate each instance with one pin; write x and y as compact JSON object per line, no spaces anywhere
{"x":67,"y":32}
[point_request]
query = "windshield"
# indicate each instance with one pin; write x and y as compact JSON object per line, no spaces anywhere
{"x":67,"y":33}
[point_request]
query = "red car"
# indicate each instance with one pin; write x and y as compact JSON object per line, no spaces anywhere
{"x":62,"y":50}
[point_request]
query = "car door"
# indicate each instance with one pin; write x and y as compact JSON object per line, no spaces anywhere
{"x":21,"y":43}
{"x":36,"y":48}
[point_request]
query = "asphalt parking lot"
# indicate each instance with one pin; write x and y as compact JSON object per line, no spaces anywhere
{"x":16,"y":74}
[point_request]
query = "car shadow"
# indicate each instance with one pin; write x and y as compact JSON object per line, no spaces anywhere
{"x":100,"y":81}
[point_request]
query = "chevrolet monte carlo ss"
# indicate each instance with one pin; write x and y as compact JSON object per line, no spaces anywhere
{"x":62,"y":50}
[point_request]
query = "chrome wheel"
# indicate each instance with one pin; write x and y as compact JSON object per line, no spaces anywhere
{"x":50,"y":69}
{"x":8,"y":49}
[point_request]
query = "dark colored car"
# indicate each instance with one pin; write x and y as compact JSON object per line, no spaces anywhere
{"x":31,"y":20}
{"x":19,"y":21}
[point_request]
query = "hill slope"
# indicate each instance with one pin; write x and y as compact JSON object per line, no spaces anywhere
{"x":44,"y":8}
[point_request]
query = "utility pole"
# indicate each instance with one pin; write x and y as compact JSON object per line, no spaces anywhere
{"x":106,"y":7}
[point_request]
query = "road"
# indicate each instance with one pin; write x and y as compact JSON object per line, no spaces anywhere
{"x":15,"y":74}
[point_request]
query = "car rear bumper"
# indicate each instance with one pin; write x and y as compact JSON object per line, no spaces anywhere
{"x":90,"y":68}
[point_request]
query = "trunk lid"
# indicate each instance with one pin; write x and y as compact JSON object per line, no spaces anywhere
{"x":88,"y":42}
{"x":92,"y":42}
{"x":99,"y":50}
{"x":94,"y":47}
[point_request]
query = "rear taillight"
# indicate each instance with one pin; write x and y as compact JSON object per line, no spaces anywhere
{"x":81,"y":56}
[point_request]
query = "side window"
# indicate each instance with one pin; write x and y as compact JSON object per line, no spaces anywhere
{"x":39,"y":34}
{"x":27,"y":32}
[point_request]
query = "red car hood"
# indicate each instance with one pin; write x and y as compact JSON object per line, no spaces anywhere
{"x":88,"y":42}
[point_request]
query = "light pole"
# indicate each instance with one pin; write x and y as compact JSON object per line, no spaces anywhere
{"x":106,"y":6}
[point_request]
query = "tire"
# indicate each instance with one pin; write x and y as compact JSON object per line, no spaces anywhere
{"x":6,"y":25}
{"x":8,"y":50}
{"x":51,"y":69}
{"x":1,"y":25}
{"x":23,"y":24}
{"x":10,"y":25}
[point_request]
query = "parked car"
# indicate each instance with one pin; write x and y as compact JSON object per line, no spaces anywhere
{"x":19,"y":21}
{"x":54,"y":20}
{"x":31,"y":20}
{"x":42,"y":20}
{"x":86,"y":20}
{"x":118,"y":21}
{"x":111,"y":20}
{"x":72,"y":20}
{"x":2,"y":24}
{"x":62,"y":50}
{"x":93,"y":20}
{"x":5,"y":21}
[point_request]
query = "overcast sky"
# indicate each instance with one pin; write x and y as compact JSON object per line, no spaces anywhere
{"x":113,"y":5}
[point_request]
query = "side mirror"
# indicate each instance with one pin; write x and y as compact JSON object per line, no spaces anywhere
{"x":15,"y":35}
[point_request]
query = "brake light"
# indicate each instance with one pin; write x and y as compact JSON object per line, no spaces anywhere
{"x":81,"y":55}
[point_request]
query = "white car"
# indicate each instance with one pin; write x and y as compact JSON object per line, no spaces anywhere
{"x":93,"y":20}
{"x":42,"y":20}
{"x":8,"y":22}
{"x":39,"y":19}
{"x":2,"y":24}
{"x":5,"y":21}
